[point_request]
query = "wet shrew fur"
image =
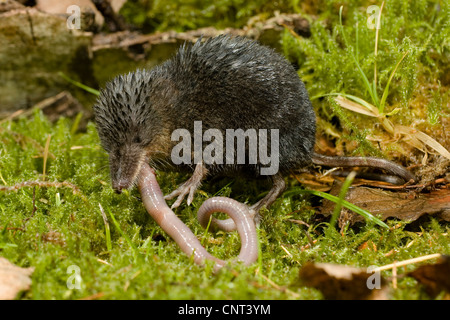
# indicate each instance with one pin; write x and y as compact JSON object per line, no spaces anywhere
{"x":227,"y":83}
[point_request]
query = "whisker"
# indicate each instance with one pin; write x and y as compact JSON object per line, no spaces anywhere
{"x":101,"y":169}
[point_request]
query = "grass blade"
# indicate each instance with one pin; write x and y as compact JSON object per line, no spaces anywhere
{"x":361,"y":72}
{"x":107,"y":229}
{"x":424,"y":138}
{"x":372,"y":110}
{"x":366,"y":214}
{"x":337,"y":209}
{"x":386,"y":89}
{"x":127,"y":239}
{"x":359,"y":106}
{"x":79,"y":84}
{"x":376,"y":54}
{"x":46,"y":149}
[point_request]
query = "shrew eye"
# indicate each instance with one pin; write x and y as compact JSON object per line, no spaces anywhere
{"x":137,"y":139}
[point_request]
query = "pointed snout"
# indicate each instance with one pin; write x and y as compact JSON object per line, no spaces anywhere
{"x":124,"y":169}
{"x":118,"y":186}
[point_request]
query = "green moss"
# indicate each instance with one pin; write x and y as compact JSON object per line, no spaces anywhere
{"x":329,"y":63}
{"x":152,"y":15}
{"x":156,"y":268}
{"x":55,"y":227}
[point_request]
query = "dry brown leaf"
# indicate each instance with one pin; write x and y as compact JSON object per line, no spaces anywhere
{"x":356,"y":107}
{"x":435,"y":277}
{"x":13,"y":279}
{"x":339,"y":282}
{"x":423,"y":138}
{"x":385,"y":204}
{"x":412,"y":136}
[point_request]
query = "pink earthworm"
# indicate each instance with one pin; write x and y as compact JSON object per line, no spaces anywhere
{"x":156,"y":206}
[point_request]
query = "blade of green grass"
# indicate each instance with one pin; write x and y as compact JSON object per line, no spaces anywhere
{"x":357,"y":42}
{"x":366,"y":214}
{"x":79,"y":84}
{"x":127,"y":239}
{"x":107,"y":229}
{"x":205,"y":233}
{"x":76,"y":123}
{"x":386,"y":89}
{"x":361,"y":72}
{"x":376,"y":54}
{"x":46,"y":148}
{"x":369,"y":106}
{"x":337,"y":209}
{"x":7,"y":245}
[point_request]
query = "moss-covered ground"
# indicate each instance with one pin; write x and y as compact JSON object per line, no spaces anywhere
{"x":55,"y":224}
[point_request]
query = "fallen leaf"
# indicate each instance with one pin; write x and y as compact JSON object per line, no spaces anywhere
{"x":435,"y":277}
{"x":338,"y":282}
{"x":386,"y":204}
{"x":424,"y":138}
{"x":362,"y":107}
{"x":13,"y":279}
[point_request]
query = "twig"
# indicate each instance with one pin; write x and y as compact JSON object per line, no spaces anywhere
{"x":299,"y":222}
{"x":104,"y":262}
{"x":405,"y":186}
{"x":45,"y":184}
{"x":310,"y":240}
{"x":276,"y":286}
{"x":13,"y":115}
{"x":394,"y":275}
{"x":285,"y":250}
{"x":114,"y":21}
{"x":406,"y":262}
{"x":59,"y":98}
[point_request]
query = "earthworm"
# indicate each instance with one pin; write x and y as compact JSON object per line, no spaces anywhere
{"x":154,"y":202}
{"x":226,"y":225}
